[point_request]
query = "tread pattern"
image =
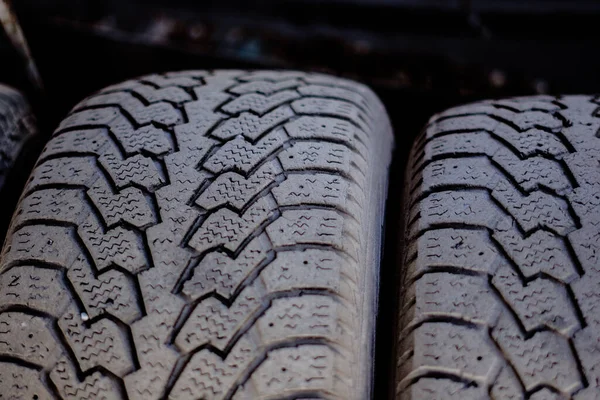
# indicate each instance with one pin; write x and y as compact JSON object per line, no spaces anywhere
{"x":200,"y":235}
{"x":17,"y":125}
{"x":500,"y":280}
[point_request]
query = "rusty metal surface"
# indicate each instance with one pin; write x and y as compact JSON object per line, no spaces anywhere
{"x":13,"y":30}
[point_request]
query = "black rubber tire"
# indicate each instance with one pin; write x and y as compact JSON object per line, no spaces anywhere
{"x":501,"y":279}
{"x":200,"y":235}
{"x":17,"y":126}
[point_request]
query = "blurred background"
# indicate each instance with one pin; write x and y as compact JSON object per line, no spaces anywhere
{"x":420,"y":56}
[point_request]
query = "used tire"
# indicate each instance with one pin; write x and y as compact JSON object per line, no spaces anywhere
{"x":501,"y":279}
{"x":200,"y":235}
{"x":17,"y":126}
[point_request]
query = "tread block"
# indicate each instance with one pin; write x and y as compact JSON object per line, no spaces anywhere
{"x":101,"y":117}
{"x":235,"y":190}
{"x":174,"y":94}
{"x":584,"y":165}
{"x":34,"y":244}
{"x":278,"y":374}
{"x":28,"y":338}
{"x":36,"y":288}
{"x":320,"y":269}
{"x":136,"y":170}
{"x":455,"y":144}
{"x":587,"y":345}
{"x":458,"y":207}
{"x":242,"y":155}
{"x":314,"y":155}
{"x":507,"y":386}
{"x":586,"y":203}
{"x":533,"y":173}
{"x":540,"y":252}
{"x":24,"y":382}
{"x":252,"y":126}
{"x":95,"y":141}
{"x":458,"y":248}
{"x":544,"y":359}
{"x":129,"y":205}
{"x":145,"y":139}
{"x":295,"y":227}
{"x":229,"y":229}
{"x":536,"y":210}
{"x":333,"y":108}
{"x":163,"y":113}
{"x":118,"y":246}
{"x":259,"y":103}
{"x":472,"y":356}
{"x":73,"y":171}
{"x":208,"y":376}
{"x":214,"y":323}
{"x":265,"y":87}
{"x":539,"y":303}
{"x":102,"y":344}
{"x":185,"y":179}
{"x":223,"y":274}
{"x":65,"y":205}
{"x":466,"y":172}
{"x":532,"y":141}
{"x":446,"y":295}
{"x":319,"y":189}
{"x":93,"y":386}
{"x":335,"y":93}
{"x":302,"y":316}
{"x":335,"y":129}
{"x":112,"y":292}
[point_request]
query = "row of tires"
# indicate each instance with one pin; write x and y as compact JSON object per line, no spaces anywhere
{"x":217,"y":235}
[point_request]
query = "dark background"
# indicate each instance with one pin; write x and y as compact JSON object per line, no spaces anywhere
{"x":420,"y":57}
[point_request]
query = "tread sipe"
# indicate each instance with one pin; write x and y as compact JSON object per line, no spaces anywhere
{"x":200,"y":235}
{"x":501,"y":279}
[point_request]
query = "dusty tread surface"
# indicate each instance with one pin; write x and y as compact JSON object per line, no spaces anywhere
{"x":200,"y":234}
{"x":500,"y":287}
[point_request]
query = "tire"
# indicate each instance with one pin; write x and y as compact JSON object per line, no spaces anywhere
{"x":502,"y":259}
{"x":17,"y":126}
{"x":200,"y":235}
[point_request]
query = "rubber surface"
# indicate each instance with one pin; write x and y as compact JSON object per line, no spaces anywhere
{"x":17,"y":124}
{"x":502,"y":273}
{"x":200,"y":235}
{"x":18,"y":136}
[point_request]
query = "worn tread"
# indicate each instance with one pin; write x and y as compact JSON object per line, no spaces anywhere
{"x":502,"y":244}
{"x":200,"y":235}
